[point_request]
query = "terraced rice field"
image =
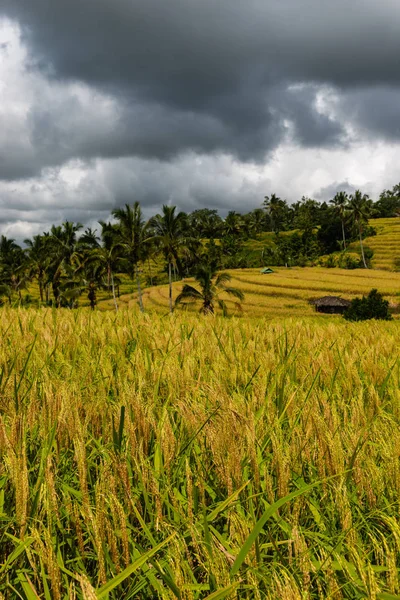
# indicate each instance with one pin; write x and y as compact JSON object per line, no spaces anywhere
{"x":286,"y":292}
{"x":386,"y":244}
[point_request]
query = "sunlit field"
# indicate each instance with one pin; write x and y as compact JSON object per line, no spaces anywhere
{"x":286,"y":292}
{"x":386,"y":244}
{"x":149,"y":456}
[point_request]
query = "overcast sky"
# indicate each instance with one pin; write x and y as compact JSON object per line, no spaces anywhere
{"x":199,"y":103}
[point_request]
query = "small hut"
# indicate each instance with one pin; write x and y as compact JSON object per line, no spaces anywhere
{"x":266,"y":270}
{"x":333,"y":305}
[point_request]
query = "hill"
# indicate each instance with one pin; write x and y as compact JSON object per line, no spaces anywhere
{"x":385,"y":244}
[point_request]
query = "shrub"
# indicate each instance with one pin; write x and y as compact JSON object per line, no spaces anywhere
{"x":330,"y":262}
{"x":372,"y":306}
{"x":347,"y":261}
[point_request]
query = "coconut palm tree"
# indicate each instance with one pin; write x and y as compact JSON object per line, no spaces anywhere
{"x":233,"y":223}
{"x":89,"y":240}
{"x":278,"y":211}
{"x":89,"y":275}
{"x":109,"y":255}
{"x":211,"y":285}
{"x":14,"y":273}
{"x":132,"y":234}
{"x":359,"y":208}
{"x":255,"y":221}
{"x":169,"y":236}
{"x":340,"y":206}
{"x":38,"y":259}
{"x":62,"y":244}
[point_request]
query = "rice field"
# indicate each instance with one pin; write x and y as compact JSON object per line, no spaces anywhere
{"x":147,"y":457}
{"x":386,"y":244}
{"x":286,"y":292}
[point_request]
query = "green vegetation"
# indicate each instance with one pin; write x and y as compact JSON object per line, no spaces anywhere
{"x":202,"y":458}
{"x":368,"y":307}
{"x":192,"y":457}
{"x":65,"y":263}
{"x":385,"y":244}
{"x":211,"y":285}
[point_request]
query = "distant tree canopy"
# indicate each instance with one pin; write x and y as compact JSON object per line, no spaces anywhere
{"x":67,"y":262}
{"x":388,"y":204}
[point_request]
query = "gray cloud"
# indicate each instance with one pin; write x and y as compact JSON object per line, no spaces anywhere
{"x":165,"y":86}
{"x":328,"y":192}
{"x":192,"y":51}
{"x":88,"y":193}
{"x":202,"y":76}
{"x":183,"y":76}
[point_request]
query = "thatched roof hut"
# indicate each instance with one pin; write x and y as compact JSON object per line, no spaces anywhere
{"x":331,"y":305}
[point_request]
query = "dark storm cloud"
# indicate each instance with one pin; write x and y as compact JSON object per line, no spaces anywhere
{"x":203,"y":76}
{"x":146,"y":83}
{"x":192,"y":51}
{"x":375,"y":111}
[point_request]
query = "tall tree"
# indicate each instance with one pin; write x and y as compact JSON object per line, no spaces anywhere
{"x":340,"y":205}
{"x":89,"y":240}
{"x":277,"y":211}
{"x":62,"y":244}
{"x":211,"y":285}
{"x":88,"y":275}
{"x":14,"y":273}
{"x":132,"y":234}
{"x":38,"y":260}
{"x":169,"y":229}
{"x":110,"y":254}
{"x":255,"y":221}
{"x":205,"y":223}
{"x":306,"y":214}
{"x":359,"y":207}
{"x":233,"y":223}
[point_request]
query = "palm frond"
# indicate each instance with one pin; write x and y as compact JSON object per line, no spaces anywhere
{"x":223,"y":307}
{"x":222,"y":278}
{"x":188,"y":293}
{"x":234,"y":292}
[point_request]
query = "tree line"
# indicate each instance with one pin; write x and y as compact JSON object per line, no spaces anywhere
{"x":67,"y":261}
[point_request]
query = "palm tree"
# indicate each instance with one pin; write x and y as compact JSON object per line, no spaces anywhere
{"x":340,"y":205}
{"x":14,"y":273}
{"x":255,"y":221}
{"x":89,"y":239}
{"x":276,"y":209}
{"x":62,"y":245}
{"x":359,"y":208}
{"x":210,"y":287}
{"x":89,"y":275}
{"x":131,"y":230}
{"x":109,"y":255}
{"x":169,"y":235}
{"x":233,"y":223}
{"x":39,"y":260}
